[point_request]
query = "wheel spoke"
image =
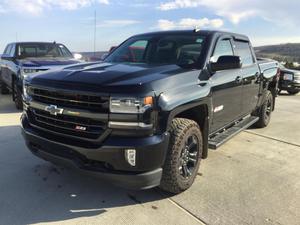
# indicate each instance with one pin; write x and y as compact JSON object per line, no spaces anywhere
{"x":189,"y":172}
{"x":185,"y":171}
{"x":193,"y":155}
{"x":192,"y":160}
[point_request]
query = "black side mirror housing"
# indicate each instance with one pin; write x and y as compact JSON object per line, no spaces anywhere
{"x":112,"y":49}
{"x":7,"y":57}
{"x":226,"y":62}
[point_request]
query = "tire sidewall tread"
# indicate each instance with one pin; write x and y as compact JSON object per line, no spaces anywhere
{"x":179,"y":130}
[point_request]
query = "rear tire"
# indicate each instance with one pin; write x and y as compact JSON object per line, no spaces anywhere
{"x":293,"y":92}
{"x":265,"y":111}
{"x":184,"y":156}
{"x":17,"y":97}
{"x":3,"y":87}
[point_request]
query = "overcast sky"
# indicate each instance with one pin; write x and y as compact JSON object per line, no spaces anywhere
{"x":72,"y":21}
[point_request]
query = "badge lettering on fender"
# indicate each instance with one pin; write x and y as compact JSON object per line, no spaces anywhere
{"x":218,"y":108}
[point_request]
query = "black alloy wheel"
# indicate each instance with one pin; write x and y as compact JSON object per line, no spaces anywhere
{"x":189,"y":157}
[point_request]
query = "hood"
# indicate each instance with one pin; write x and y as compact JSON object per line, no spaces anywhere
{"x":107,"y":77}
{"x":285,"y":70}
{"x":44,"y":62}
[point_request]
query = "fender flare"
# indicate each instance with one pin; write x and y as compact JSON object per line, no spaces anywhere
{"x":205,"y":126}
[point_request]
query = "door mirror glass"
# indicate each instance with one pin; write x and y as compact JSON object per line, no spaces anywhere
{"x":226,"y":62}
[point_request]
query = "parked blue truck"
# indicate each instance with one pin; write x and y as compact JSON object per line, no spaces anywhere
{"x":23,"y":58}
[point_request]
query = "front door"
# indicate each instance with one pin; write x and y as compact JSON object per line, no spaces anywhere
{"x":226,"y":89}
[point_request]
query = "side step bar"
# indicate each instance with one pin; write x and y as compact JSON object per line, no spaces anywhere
{"x":220,"y":138}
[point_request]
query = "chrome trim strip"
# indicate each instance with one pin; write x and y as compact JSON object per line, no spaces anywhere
{"x":129,"y":125}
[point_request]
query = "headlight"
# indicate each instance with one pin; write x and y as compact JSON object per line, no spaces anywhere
{"x":26,"y":72}
{"x":288,"y":76}
{"x":26,"y":90}
{"x":130,"y":105}
{"x":30,"y":70}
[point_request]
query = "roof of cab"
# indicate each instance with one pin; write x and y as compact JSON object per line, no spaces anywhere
{"x":203,"y":32}
{"x":33,"y":42}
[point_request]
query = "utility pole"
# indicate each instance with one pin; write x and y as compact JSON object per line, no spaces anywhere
{"x":95,"y":30}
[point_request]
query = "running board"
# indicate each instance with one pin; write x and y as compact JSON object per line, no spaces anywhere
{"x":221,"y":138}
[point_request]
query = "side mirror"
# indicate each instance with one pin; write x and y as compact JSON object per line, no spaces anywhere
{"x":77,"y":56}
{"x":7,"y":57}
{"x":112,"y":49}
{"x":226,"y":62}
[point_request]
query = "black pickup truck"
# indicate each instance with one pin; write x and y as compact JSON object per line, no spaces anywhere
{"x":24,"y":58}
{"x":289,"y":80}
{"x":147,"y":115}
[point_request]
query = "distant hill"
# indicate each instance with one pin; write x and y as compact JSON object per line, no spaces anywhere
{"x":283,"y":52}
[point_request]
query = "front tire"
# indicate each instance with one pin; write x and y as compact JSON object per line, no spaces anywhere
{"x":17,"y":96}
{"x":265,"y":111}
{"x":184,"y":156}
{"x":3,"y":87}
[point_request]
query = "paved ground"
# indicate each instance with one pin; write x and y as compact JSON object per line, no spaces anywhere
{"x":253,"y":179}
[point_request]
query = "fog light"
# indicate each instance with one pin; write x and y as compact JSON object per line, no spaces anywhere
{"x":130,"y":156}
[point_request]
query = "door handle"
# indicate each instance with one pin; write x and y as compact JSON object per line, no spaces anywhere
{"x":238,"y":79}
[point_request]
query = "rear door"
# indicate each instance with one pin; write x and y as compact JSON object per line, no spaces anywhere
{"x":251,"y":76}
{"x":226,"y":89}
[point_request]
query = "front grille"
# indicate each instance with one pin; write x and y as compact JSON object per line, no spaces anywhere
{"x":72,"y":100}
{"x":91,"y":127}
{"x":297,"y":77}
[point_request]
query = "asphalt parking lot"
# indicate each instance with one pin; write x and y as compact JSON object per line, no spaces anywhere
{"x":252,"y":179}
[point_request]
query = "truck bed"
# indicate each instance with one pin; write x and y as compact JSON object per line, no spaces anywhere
{"x":268,"y":67}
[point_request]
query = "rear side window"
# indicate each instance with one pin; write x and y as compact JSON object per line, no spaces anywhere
{"x":223,"y":48}
{"x":243,"y":50}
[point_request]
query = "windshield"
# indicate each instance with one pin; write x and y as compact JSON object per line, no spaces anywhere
{"x":34,"y":50}
{"x":183,"y":50}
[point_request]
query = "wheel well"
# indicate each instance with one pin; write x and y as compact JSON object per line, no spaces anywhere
{"x":199,"y":114}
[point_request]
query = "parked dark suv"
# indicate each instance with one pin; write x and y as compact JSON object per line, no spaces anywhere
{"x":289,"y":80}
{"x":147,"y":115}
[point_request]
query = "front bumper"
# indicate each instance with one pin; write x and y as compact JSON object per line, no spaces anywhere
{"x":289,"y":86}
{"x":106,"y":161}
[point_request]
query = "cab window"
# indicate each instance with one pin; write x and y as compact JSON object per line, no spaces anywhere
{"x":243,"y":49}
{"x":7,"y":50}
{"x":12,"y":51}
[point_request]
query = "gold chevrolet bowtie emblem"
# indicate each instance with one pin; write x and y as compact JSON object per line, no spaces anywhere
{"x":53,"y":110}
